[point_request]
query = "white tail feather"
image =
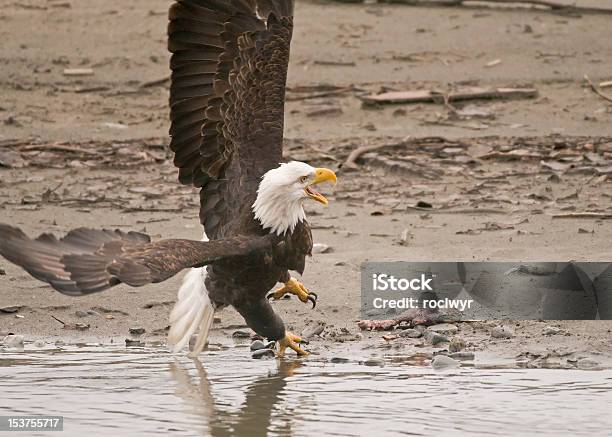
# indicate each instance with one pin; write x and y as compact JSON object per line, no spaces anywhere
{"x":193,"y":308}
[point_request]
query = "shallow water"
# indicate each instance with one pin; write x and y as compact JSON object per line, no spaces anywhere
{"x":106,"y":391}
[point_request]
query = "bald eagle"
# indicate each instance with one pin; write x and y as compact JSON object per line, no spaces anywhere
{"x":229,"y":69}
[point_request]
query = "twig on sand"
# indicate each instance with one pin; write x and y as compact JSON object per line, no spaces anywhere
{"x":596,"y":90}
{"x":63,"y":323}
{"x":317,"y":95}
{"x":582,"y":215}
{"x":155,"y":82}
{"x":351,"y":161}
{"x":467,"y":93}
{"x":59,"y":148}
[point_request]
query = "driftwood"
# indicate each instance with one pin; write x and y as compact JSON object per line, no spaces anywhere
{"x":596,"y":90}
{"x":155,"y":82}
{"x":470,"y":93}
{"x":351,"y":161}
{"x":583,"y":215}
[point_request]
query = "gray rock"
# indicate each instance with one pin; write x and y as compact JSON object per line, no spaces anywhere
{"x":321,"y":248}
{"x":467,"y":356}
{"x":502,"y":332}
{"x":456,"y":344}
{"x":133,"y":343}
{"x":39,"y":344}
{"x":257,"y":345}
{"x":263,"y":353}
{"x":587,"y":363}
{"x":551,"y":330}
{"x":338,"y":360}
{"x":410,"y":333}
{"x":137,"y":330}
{"x":374,"y":362}
{"x":444,"y":328}
{"x":310,"y":331}
{"x":15,"y":341}
{"x":434,"y":338}
{"x":80,"y":313}
{"x":241,"y":334}
{"x":444,"y":362}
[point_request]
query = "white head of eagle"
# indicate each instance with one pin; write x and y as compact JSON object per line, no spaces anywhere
{"x":281,"y":192}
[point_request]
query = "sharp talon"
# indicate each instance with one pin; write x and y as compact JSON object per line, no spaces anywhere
{"x":303,"y":341}
{"x":313,"y":300}
{"x":316,"y":296}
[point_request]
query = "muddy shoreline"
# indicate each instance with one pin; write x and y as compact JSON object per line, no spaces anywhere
{"x":90,"y":151}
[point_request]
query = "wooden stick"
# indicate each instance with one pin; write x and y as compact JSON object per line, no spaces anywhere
{"x":581,"y":215}
{"x":471,"y":93}
{"x":597,"y":90}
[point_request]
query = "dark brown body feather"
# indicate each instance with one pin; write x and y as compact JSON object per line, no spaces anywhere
{"x":229,"y":70}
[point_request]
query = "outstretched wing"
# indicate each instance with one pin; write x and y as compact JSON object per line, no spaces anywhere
{"x":229,"y":71}
{"x":87,"y":260}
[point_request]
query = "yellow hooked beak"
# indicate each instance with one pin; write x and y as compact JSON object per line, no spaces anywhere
{"x":321,"y":175}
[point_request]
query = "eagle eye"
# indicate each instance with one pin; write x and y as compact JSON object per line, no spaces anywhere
{"x":303,"y":179}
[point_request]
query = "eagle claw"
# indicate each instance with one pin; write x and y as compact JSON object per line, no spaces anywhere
{"x":291,"y":341}
{"x":293,"y":286}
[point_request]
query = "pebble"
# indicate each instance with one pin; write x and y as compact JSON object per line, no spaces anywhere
{"x":2,"y":272}
{"x":456,"y":344}
{"x":241,"y":334}
{"x":444,"y":328}
{"x":502,"y":332}
{"x":257,"y":345}
{"x":80,"y":313}
{"x":444,"y":362}
{"x":551,"y":330}
{"x":320,"y":248}
{"x":133,"y":343}
{"x":338,"y":360}
{"x":263,"y":353}
{"x":410,"y":333}
{"x":469,"y":356}
{"x":587,"y":363}
{"x":310,"y":331}
{"x":15,"y":341}
{"x":434,"y":338}
{"x":374,"y":362}
{"x":137,"y":331}
{"x":39,"y":344}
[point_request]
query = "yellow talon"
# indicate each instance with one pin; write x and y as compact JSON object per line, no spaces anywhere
{"x":293,"y":286}
{"x":290,"y":341}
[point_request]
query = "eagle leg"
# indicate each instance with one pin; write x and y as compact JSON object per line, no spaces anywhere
{"x":290,"y":341}
{"x":293,"y":286}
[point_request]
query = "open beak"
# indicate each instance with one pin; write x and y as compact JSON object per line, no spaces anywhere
{"x":321,"y":175}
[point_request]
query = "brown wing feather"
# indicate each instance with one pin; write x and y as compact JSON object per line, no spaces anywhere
{"x":229,"y":70}
{"x":87,"y":260}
